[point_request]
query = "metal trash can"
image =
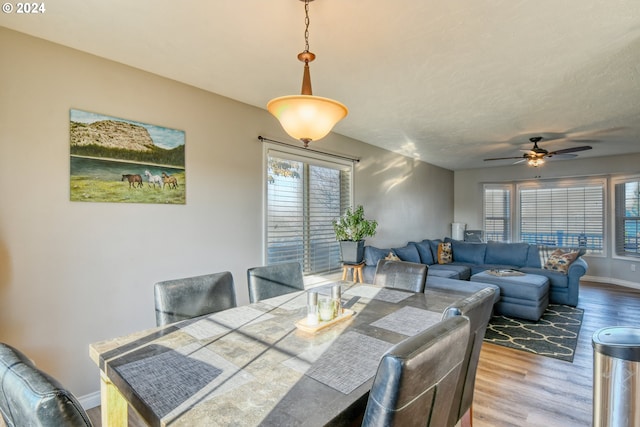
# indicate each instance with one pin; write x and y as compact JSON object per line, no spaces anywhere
{"x":616,"y":377}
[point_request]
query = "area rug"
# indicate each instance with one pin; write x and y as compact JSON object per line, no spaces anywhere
{"x":554,"y":335}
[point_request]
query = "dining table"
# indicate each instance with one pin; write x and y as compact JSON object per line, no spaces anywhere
{"x":257,"y":364}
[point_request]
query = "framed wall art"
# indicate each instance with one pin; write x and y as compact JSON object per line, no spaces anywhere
{"x":124,"y":161}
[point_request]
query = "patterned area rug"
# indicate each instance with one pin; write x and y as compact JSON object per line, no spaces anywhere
{"x":554,"y":335}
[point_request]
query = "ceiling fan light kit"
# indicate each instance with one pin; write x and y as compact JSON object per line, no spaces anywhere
{"x":307,"y":117}
{"x":536,"y":156}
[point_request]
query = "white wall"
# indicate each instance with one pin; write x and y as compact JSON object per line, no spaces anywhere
{"x":73,"y":273}
{"x":468,"y":202}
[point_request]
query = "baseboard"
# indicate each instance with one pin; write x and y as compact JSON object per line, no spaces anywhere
{"x":611,"y":280}
{"x":90,"y":400}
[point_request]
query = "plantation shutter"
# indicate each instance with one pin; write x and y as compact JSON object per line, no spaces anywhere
{"x":304,"y":196}
{"x":497,"y":213}
{"x":570,"y":215}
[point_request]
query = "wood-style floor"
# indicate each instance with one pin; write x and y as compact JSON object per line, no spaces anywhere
{"x":518,"y":389}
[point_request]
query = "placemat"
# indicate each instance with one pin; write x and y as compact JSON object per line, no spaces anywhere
{"x":383,"y":294}
{"x":223,"y":321}
{"x":408,"y":321}
{"x":167,"y":379}
{"x":194,"y":374}
{"x":349,"y":362}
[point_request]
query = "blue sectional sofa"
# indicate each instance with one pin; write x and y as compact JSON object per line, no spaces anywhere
{"x":471,"y":258}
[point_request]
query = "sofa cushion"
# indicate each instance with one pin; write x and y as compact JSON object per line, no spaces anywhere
{"x":560,"y":260}
{"x":556,"y":279}
{"x":372,"y":255}
{"x":434,"y":249}
{"x":408,"y":253}
{"x":468,"y":252}
{"x":424,"y":250}
{"x":507,"y":253}
{"x":533,"y":257}
{"x":444,"y":253}
{"x":462,"y":272}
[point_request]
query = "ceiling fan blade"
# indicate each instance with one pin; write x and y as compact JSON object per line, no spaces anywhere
{"x":569,"y":150}
{"x":520,"y":161}
{"x":504,"y":158}
{"x":561,"y":156}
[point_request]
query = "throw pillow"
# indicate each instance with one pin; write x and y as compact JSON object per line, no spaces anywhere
{"x":560,"y":261}
{"x":392,"y":257}
{"x":445,"y":256}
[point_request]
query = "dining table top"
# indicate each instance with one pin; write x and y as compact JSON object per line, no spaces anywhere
{"x":251,"y":365}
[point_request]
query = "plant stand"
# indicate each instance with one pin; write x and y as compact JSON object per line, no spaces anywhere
{"x":357,"y":271}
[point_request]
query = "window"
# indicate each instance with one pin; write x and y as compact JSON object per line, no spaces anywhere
{"x":497,"y":212}
{"x":563,"y":214}
{"x":627,"y":217}
{"x":304,"y":196}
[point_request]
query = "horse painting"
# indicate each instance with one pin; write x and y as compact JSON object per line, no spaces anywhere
{"x":135,"y":180}
{"x":153,"y":179}
{"x":171,"y":180}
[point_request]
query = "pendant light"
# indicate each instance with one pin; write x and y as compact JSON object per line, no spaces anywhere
{"x":307,"y":117}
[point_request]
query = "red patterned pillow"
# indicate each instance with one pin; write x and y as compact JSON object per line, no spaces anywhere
{"x":560,"y":261}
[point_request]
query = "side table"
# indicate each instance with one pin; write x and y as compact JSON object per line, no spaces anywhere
{"x":357,"y":271}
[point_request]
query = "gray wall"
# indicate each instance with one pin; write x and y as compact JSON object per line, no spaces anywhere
{"x":608,"y":268}
{"x":73,"y":273}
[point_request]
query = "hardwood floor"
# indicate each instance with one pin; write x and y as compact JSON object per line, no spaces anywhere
{"x":514,"y":388}
{"x":518,"y":389}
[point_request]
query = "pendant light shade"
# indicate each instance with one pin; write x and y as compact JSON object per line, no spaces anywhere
{"x":307,"y":117}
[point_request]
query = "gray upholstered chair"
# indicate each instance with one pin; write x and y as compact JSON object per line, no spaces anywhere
{"x":31,"y":397}
{"x":274,"y":280}
{"x":477,"y":308}
{"x":401,"y":275}
{"x":190,"y":297}
{"x":416,"y":379}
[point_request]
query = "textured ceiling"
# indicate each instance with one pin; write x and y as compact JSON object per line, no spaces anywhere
{"x":448,"y":82}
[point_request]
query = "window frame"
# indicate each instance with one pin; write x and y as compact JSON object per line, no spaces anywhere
{"x":308,"y":157}
{"x":614,"y":217}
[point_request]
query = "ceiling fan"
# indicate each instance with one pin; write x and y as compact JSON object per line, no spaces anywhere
{"x":536,"y":155}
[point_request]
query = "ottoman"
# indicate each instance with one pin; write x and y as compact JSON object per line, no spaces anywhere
{"x":525,"y":296}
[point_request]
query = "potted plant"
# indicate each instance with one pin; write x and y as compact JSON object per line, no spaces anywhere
{"x":351,"y":229}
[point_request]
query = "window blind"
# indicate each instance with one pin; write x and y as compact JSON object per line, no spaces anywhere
{"x":497,"y":213}
{"x":304,"y":196}
{"x":627,"y":221}
{"x":563,"y":216}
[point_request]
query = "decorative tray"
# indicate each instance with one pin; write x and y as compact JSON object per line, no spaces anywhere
{"x":505,"y":272}
{"x":304,"y":326}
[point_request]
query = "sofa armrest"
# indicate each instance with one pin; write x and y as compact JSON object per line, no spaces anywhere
{"x":577,"y":269}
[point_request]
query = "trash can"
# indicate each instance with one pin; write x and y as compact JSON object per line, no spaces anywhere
{"x":616,"y":377}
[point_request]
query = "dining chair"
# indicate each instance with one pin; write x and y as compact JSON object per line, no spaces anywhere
{"x":416,"y":379}
{"x":477,"y":308}
{"x":405,"y":275}
{"x":31,"y":397}
{"x":181,"y":299}
{"x":274,"y":280}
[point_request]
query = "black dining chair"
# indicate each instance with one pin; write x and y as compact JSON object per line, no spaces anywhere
{"x":274,"y":280}
{"x":416,"y":379}
{"x":477,"y":308}
{"x":31,"y":397}
{"x":405,"y":275}
{"x":181,"y":299}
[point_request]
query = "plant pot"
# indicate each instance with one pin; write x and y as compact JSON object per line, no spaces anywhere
{"x":352,"y":252}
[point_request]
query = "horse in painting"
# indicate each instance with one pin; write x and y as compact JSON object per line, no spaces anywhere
{"x":171,"y":180}
{"x":135,"y":180}
{"x":153,"y":179}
